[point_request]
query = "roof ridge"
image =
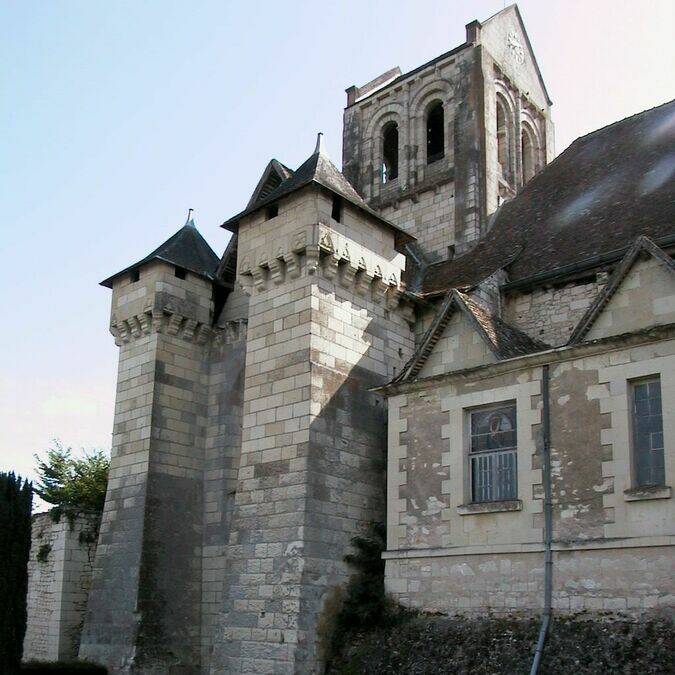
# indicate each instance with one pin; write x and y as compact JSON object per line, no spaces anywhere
{"x":612,"y":124}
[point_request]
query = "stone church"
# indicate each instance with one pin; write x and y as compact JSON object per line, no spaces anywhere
{"x":456,"y":333}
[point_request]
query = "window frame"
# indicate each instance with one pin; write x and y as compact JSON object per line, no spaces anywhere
{"x":470,"y":454}
{"x":632,"y":415}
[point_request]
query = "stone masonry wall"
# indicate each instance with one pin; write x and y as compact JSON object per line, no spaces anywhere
{"x":58,"y":586}
{"x":630,"y":581}
{"x":144,"y":609}
{"x":613,"y":544}
{"x":322,"y":330}
{"x":227,"y":357}
{"x":550,"y":314}
{"x":430,"y":217}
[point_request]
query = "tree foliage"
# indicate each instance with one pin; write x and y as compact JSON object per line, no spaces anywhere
{"x":16,"y":498}
{"x":73,"y":484}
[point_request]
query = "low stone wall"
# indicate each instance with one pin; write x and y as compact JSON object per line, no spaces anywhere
{"x":59,"y":574}
{"x":623,"y":580}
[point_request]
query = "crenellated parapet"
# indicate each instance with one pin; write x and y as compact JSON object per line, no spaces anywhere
{"x":159,"y":320}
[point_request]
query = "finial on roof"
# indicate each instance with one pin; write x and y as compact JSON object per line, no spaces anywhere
{"x":190,"y":222}
{"x":320,"y":145}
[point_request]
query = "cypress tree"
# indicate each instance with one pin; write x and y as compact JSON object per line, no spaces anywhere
{"x":16,"y":497}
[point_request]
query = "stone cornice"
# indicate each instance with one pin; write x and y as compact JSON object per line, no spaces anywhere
{"x":334,"y":256}
{"x":155,"y":320}
{"x":549,"y":356}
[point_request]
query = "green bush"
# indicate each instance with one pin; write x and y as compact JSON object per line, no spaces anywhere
{"x":75,"y":486}
{"x":16,"y":498}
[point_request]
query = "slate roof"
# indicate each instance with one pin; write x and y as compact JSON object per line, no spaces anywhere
{"x":187,"y":248}
{"x":504,"y":340}
{"x":320,"y":170}
{"x":641,"y":245}
{"x":273,"y":175}
{"x":585,"y":208}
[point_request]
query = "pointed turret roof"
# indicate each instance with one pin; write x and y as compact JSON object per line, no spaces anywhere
{"x":187,"y":248}
{"x":320,"y":170}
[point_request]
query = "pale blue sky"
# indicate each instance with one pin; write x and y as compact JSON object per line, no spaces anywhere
{"x":117,"y":117}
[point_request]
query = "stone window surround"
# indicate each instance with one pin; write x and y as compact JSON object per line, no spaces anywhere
{"x":410,"y":118}
{"x":458,"y":487}
{"x":618,"y":379}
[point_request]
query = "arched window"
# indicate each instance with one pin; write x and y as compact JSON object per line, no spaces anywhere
{"x":389,"y":152}
{"x":529,"y":154}
{"x":504,"y":142}
{"x":435,"y":135}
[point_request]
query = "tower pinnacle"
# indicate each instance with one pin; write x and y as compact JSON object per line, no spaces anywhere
{"x":320,"y":145}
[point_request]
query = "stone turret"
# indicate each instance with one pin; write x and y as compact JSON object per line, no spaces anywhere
{"x":327,"y":321}
{"x":144,"y":608}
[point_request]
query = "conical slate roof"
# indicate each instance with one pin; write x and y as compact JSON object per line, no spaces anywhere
{"x":316,"y":169}
{"x":187,"y":248}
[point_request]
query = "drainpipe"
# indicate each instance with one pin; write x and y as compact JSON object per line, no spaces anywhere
{"x":548,"y":520}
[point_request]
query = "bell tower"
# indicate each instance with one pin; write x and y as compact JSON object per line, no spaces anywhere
{"x":438,"y":149}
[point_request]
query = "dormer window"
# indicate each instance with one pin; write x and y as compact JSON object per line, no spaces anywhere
{"x":389,"y":152}
{"x":179,"y":272}
{"x":435,"y":133}
{"x":272,"y":211}
{"x":336,"y":211}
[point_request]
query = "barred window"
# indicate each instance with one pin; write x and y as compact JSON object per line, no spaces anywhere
{"x":492,"y":454}
{"x":648,"y":462}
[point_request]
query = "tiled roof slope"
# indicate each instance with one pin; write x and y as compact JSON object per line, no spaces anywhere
{"x":316,"y":169}
{"x":187,"y":248}
{"x":592,"y":201}
{"x":504,"y":340}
